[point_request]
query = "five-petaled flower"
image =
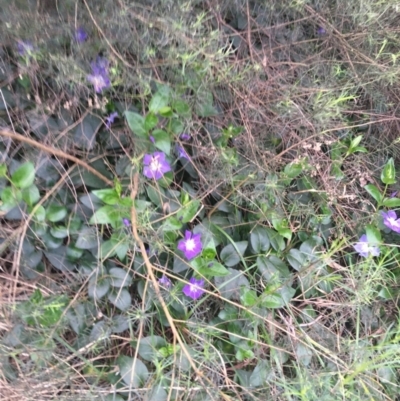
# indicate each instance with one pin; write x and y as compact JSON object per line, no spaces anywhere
{"x":165,"y":281}
{"x":99,"y":77}
{"x":25,"y":47}
{"x":391,"y":221}
{"x":80,"y":35}
{"x":191,"y":245}
{"x":155,"y":165}
{"x":194,"y":289}
{"x":110,"y":119}
{"x":364,"y":248}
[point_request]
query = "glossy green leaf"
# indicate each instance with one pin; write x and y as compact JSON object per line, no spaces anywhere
{"x":56,"y":213}
{"x":182,"y":108}
{"x":149,"y":346}
{"x":162,"y":140}
{"x":150,"y":122}
{"x":105,"y":215}
{"x":120,"y":277}
{"x":391,"y":202}
{"x":121,"y":299}
{"x":259,"y":239}
{"x":86,"y":132}
{"x":188,"y":211}
{"x":388,"y":175}
{"x":134,"y":372}
{"x":213,"y":269}
{"x":136,"y":123}
{"x":31,"y":195}
{"x":98,"y":287}
{"x":108,"y":196}
{"x":230,"y":286}
{"x":24,"y":176}
{"x":248,"y":297}
{"x":231,"y":255}
{"x":159,"y":101}
{"x":374,"y":192}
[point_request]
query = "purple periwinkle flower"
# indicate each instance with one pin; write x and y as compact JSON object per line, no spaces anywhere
{"x":110,"y":119}
{"x":321,"y":31}
{"x":126,"y":222}
{"x":25,"y":47}
{"x":181,"y":152}
{"x":391,"y":221}
{"x":194,"y":289}
{"x":185,"y":136}
{"x":80,"y":35}
{"x":191,"y":245}
{"x":393,"y":194}
{"x":365,"y":249}
{"x":99,"y":77}
{"x":152,"y":140}
{"x":165,"y":281}
{"x":155,"y":165}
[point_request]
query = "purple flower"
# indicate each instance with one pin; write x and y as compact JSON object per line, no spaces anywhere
{"x":25,"y":47}
{"x":321,"y":31}
{"x":155,"y":165}
{"x":191,"y":245}
{"x":165,"y":281}
{"x":391,"y":221}
{"x":181,"y":152}
{"x":365,"y":249}
{"x":393,"y":194}
{"x":185,"y":137}
{"x":126,"y":222}
{"x":152,"y":140}
{"x":110,"y":119}
{"x":99,"y":77}
{"x":194,"y":289}
{"x":81,"y":35}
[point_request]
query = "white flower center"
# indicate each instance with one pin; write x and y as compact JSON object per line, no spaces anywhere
{"x":194,"y":288}
{"x":392,"y":221}
{"x":190,"y":244}
{"x":155,"y":165}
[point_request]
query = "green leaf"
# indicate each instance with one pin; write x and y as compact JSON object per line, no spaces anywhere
{"x":120,"y":277}
{"x":272,"y":301}
{"x":391,"y":202}
{"x":59,"y":259}
{"x":121,"y":299}
{"x":292,"y":170}
{"x":98,"y":287}
{"x":373,"y":234}
{"x":213,"y":269}
{"x":248,"y":297}
{"x":134,"y":372}
{"x":24,"y":176}
{"x":162,"y":140}
{"x":188,"y":211}
{"x":59,"y":232}
{"x":148,"y":347}
{"x":108,"y":196}
{"x":171,"y":224}
{"x":150,"y":122}
{"x":159,"y":101}
{"x":231,"y":255}
{"x":182,"y":108}
{"x":56,"y":213}
{"x":260,"y":374}
{"x":229,"y":286}
{"x":176,"y":126}
{"x":9,"y":198}
{"x":105,"y":215}
{"x":166,"y":112}
{"x":388,"y":175}
{"x":259,"y":240}
{"x":354,"y":143}
{"x":374,"y":192}
{"x":277,"y":241}
{"x":87,"y":238}
{"x":31,"y":195}
{"x":296,"y":259}
{"x":86,"y":131}
{"x":136,"y":123}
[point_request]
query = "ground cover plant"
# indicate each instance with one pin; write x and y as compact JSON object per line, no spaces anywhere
{"x":199,"y":200}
